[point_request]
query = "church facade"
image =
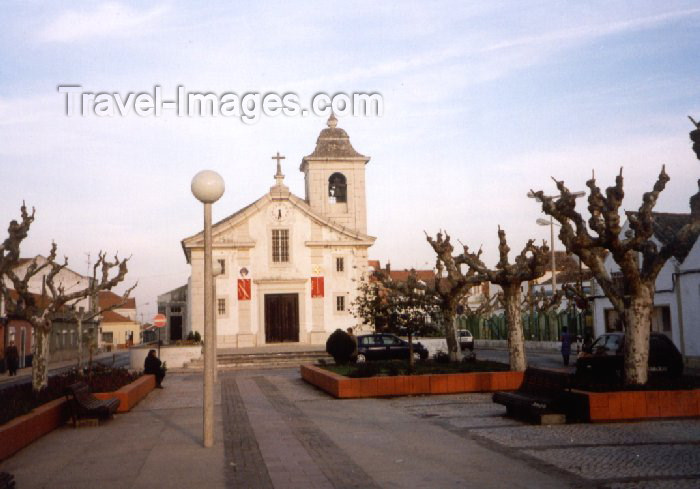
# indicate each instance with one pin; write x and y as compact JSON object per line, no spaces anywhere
{"x":289,"y":266}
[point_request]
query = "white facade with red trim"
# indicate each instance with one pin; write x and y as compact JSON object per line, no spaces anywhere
{"x":289,"y":259}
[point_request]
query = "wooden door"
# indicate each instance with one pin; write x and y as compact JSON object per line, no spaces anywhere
{"x":281,"y":318}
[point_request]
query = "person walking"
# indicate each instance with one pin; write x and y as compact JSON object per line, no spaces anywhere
{"x":152,"y":365}
{"x":565,"y":345}
{"x":353,"y":356}
{"x":12,"y":358}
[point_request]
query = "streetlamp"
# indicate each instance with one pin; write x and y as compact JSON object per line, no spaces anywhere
{"x":208,"y":187}
{"x":550,"y":223}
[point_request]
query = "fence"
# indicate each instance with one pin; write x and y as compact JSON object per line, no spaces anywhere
{"x":536,"y":326}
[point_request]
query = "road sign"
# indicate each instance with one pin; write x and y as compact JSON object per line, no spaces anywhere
{"x":159,"y":320}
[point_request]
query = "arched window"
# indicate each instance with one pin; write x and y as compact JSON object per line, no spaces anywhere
{"x":337,"y":188}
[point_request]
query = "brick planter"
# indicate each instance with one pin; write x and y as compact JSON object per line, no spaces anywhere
{"x":636,"y":405}
{"x":23,"y":430}
{"x":130,"y":395}
{"x":404,"y":385}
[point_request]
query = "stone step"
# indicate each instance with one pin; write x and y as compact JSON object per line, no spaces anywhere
{"x":253,"y":360}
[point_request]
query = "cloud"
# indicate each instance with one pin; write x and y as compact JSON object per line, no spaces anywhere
{"x":111,"y":19}
{"x":590,"y":32}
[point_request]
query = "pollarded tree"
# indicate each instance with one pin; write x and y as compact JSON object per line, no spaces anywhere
{"x":409,"y":302}
{"x":695,"y":137}
{"x":16,"y":232}
{"x":40,"y":310}
{"x":370,"y":305}
{"x":638,"y":255}
{"x":80,"y":315}
{"x":530,"y":264}
{"x":452,"y":282}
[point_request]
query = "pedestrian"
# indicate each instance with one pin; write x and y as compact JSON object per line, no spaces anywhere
{"x":12,"y":358}
{"x":353,"y":356}
{"x":565,"y":345}
{"x":152,"y":366}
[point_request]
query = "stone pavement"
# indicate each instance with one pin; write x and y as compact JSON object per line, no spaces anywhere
{"x":275,"y":431}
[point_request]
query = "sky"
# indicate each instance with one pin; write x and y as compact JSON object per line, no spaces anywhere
{"x":482,"y":102}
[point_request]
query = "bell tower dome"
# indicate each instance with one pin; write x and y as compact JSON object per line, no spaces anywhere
{"x":334,"y":176}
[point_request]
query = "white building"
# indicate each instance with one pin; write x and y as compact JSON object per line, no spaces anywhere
{"x":290,"y":265}
{"x":677,"y":295}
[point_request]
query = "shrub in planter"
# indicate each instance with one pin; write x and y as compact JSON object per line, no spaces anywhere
{"x":364,"y":370}
{"x":442,"y":357}
{"x":340,"y":346}
{"x":395,"y":368}
{"x":194,"y":337}
{"x":20,"y":399}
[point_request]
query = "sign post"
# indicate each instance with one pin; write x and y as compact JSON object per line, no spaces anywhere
{"x":159,"y":321}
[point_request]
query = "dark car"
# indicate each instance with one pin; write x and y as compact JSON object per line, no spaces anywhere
{"x":605,"y":358}
{"x":384,"y":346}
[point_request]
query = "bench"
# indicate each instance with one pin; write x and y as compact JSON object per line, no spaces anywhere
{"x":85,"y":405}
{"x":542,"y":397}
{"x":7,"y":481}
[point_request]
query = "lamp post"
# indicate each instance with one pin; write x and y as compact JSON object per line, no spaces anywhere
{"x":550,"y":223}
{"x":208,"y":187}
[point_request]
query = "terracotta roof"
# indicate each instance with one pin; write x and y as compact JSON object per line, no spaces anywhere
{"x":334,"y":142}
{"x":427,"y":276}
{"x":107,"y":298}
{"x":374,"y":264}
{"x":113,"y":317}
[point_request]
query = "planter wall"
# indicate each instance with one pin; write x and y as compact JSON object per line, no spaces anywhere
{"x":636,"y":405}
{"x":404,"y":385}
{"x":23,"y":430}
{"x":130,"y":395}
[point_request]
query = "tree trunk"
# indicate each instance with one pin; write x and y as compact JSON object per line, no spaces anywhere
{"x":40,"y":362}
{"x":637,"y":329}
{"x":451,"y":336}
{"x":514,"y":320}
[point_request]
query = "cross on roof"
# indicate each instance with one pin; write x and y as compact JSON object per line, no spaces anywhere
{"x":278,"y":157}
{"x":279,"y":176}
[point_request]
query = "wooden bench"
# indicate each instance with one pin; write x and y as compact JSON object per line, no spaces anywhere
{"x":542,"y":397}
{"x":7,"y":481}
{"x":85,"y":405}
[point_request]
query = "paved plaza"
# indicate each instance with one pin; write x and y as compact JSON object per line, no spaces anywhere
{"x":275,"y":431}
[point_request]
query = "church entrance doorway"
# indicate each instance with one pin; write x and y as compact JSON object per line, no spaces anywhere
{"x":281,"y":318}
{"x":175,"y":328}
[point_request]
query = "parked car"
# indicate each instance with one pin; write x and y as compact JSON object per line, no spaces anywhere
{"x":605,"y":357}
{"x":385,"y":346}
{"x":466,"y":340}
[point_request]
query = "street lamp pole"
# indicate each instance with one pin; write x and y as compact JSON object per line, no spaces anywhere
{"x":543,"y":222}
{"x":550,"y":223}
{"x":208,"y":187}
{"x":554,"y":267}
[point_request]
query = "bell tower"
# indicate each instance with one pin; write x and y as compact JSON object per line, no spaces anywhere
{"x":334,"y":176}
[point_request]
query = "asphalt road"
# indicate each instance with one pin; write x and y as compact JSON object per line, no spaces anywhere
{"x":545,"y":359}
{"x":118,"y":359}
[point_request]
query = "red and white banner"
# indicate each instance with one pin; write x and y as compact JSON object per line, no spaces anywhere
{"x":243,"y":289}
{"x":316,"y":287}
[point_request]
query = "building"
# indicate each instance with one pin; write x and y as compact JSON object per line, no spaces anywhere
{"x":290,"y":266}
{"x":118,"y":326}
{"x":64,"y":336}
{"x":173,"y":305}
{"x":677,"y":290}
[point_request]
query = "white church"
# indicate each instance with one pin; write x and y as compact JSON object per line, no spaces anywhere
{"x":290,"y":266}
